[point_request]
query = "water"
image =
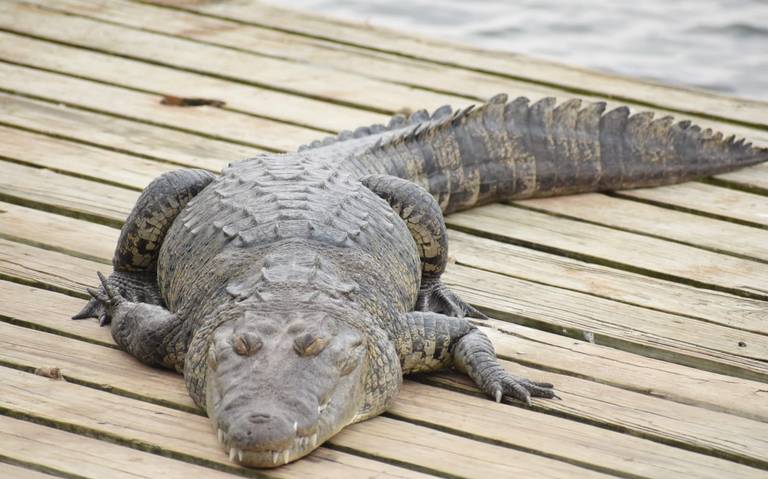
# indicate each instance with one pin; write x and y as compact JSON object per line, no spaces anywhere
{"x":719,"y":45}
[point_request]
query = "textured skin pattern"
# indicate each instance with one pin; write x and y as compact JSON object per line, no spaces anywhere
{"x":294,"y":291}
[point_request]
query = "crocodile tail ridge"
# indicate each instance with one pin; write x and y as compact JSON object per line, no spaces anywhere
{"x":517,"y":149}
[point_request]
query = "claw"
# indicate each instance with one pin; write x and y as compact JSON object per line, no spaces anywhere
{"x":111,"y":293}
{"x":90,"y":310}
{"x":96,"y":294}
{"x":497,"y":395}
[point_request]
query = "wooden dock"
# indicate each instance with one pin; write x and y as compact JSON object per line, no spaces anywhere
{"x":648,"y":309}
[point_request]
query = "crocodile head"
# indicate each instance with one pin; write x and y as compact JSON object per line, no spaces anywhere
{"x":281,"y":382}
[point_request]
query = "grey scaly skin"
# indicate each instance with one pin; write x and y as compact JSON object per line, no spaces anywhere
{"x":294,"y":291}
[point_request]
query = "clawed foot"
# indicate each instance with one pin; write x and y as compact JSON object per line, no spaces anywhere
{"x":520,"y":388}
{"x":438,"y":298}
{"x":103,"y":302}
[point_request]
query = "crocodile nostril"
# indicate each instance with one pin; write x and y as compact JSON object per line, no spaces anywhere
{"x":257,"y":418}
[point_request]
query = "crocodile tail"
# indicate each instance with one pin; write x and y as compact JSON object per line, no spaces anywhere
{"x":513,"y":150}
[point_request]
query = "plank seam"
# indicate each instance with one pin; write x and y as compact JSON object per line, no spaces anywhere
{"x":608,"y":298}
{"x":603,"y":424}
{"x":38,"y":467}
{"x":620,"y":194}
{"x":609,"y":263}
{"x":637,"y":232}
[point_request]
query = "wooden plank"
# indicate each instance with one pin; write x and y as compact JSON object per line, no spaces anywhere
{"x":205,"y":120}
{"x":81,"y":160}
{"x":79,"y":456}
{"x":48,"y":311}
{"x":709,"y":346}
{"x":73,"y":196}
{"x":751,"y":209}
{"x":753,"y":179}
{"x":190,"y":434}
{"x":48,"y":269}
{"x":638,"y":414}
{"x":518,"y":427}
{"x":506,"y":65}
{"x":604,"y":282}
{"x":159,"y":80}
{"x":16,"y":472}
{"x":59,"y":233}
{"x":654,"y":334}
{"x":271,"y":73}
{"x":42,"y":309}
{"x":690,"y":229}
{"x":620,"y":249}
{"x":133,"y":137}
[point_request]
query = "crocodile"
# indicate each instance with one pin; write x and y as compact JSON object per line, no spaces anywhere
{"x":294,"y":291}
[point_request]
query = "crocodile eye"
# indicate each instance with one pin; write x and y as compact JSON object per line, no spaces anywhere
{"x":308,"y":345}
{"x":246,"y":344}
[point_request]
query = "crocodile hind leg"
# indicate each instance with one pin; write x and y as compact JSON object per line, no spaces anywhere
{"x":434,"y":341}
{"x":135,"y":260}
{"x":425,"y":222}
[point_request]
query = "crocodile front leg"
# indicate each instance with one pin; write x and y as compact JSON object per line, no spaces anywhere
{"x":135,"y":259}
{"x":425,"y":222}
{"x":146,"y":331}
{"x":434,"y":341}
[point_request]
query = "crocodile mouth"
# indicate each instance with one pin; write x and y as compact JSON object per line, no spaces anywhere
{"x":298,"y":447}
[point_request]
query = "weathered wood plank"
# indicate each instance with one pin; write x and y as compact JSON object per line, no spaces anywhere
{"x":654,"y":334}
{"x":271,"y":73}
{"x":60,"y":233}
{"x":48,"y":311}
{"x":119,"y":134}
{"x":48,"y":269}
{"x":160,"y":80}
{"x":518,"y":427}
{"x":505,"y":65}
{"x":207,"y":121}
{"x":752,"y":179}
{"x":635,"y":217}
{"x":726,"y":203}
{"x":619,"y":248}
{"x":89,"y":162}
{"x":638,"y":414}
{"x":190,"y":434}
{"x":16,"y":472}
{"x":62,"y":193}
{"x":79,"y":456}
{"x":609,"y":283}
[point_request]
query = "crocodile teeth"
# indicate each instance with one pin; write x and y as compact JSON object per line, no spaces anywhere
{"x":314,"y":439}
{"x":285,"y":456}
{"x":221,"y":436}
{"x":295,"y":427}
{"x":240,"y":455}
{"x":275,"y":456}
{"x":232,"y":453}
